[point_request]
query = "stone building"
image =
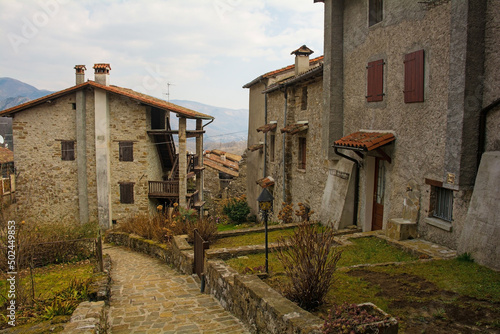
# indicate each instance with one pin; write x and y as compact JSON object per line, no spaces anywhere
{"x":224,"y":173}
{"x":411,"y":100}
{"x":98,"y":152}
{"x":284,"y":133}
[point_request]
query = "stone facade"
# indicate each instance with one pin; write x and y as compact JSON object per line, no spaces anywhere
{"x":86,"y":187}
{"x":437,"y":139}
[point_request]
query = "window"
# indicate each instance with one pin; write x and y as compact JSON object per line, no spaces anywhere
{"x":376,"y":11}
{"x":414,"y":77}
{"x":127,"y":192}
{"x":303,"y":104}
{"x":442,"y":203}
{"x":375,"y":81}
{"x":272,"y":144}
{"x":73,"y":106}
{"x":302,"y":153}
{"x":67,"y":150}
{"x":126,"y":150}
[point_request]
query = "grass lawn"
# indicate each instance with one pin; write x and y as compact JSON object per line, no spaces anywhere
{"x":57,"y":288}
{"x":251,"y":239}
{"x":234,"y":226}
{"x":365,"y":250}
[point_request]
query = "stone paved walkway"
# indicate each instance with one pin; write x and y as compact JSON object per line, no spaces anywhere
{"x":147,"y":296}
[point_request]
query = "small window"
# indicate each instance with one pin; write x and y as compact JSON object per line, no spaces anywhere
{"x":375,"y":81}
{"x":414,"y":77}
{"x":272,"y":147}
{"x":302,"y":153}
{"x":442,"y":203}
{"x":303,"y":104}
{"x":376,"y":11}
{"x":126,"y":150}
{"x":67,"y":150}
{"x":127,"y":192}
{"x":73,"y":106}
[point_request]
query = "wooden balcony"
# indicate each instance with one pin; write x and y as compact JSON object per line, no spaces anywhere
{"x":164,"y":189}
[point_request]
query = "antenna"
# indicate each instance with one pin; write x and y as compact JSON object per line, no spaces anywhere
{"x":168,"y":91}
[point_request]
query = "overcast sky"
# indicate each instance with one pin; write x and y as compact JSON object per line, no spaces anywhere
{"x":207,"y":49}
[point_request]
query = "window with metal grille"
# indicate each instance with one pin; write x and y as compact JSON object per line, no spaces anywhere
{"x":302,"y":153}
{"x":376,"y":11}
{"x":303,"y":104}
{"x":443,"y":203}
{"x":375,"y":81}
{"x":67,"y":150}
{"x":414,"y":77}
{"x":126,"y":149}
{"x":127,"y":192}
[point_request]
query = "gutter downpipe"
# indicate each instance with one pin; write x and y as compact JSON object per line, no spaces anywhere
{"x":265,"y":135}
{"x":482,"y":130}
{"x":284,"y":140}
{"x":356,"y":184}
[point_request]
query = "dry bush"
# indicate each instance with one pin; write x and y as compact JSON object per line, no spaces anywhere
{"x":286,"y":213}
{"x":157,"y":227}
{"x":309,"y":258}
{"x":207,"y":229}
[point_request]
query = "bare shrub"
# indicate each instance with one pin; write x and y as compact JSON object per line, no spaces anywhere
{"x":309,"y":259}
{"x":206,"y":227}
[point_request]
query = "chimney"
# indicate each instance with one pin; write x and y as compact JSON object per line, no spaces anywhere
{"x":302,"y":59}
{"x":80,"y":74}
{"x":101,"y":73}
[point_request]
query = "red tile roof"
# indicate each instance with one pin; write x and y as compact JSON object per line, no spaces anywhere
{"x":143,"y":98}
{"x":268,"y":127}
{"x":230,"y":156}
{"x":295,"y":128}
{"x":102,"y":66}
{"x":224,"y":162}
{"x":6,"y":155}
{"x":216,"y":166}
{"x":367,"y":141}
{"x":256,"y":147}
{"x":265,"y":182}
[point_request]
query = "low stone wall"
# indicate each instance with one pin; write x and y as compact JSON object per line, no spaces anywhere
{"x":254,"y":302}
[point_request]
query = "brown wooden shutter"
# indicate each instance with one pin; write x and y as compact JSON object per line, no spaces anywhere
{"x":414,"y":77}
{"x":67,"y":150}
{"x":127,"y":192}
{"x":126,"y":149}
{"x":375,"y":78}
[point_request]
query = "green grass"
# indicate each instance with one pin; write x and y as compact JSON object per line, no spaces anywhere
{"x":234,"y":226}
{"x":365,"y":250}
{"x":250,"y":239}
{"x":464,"y":278}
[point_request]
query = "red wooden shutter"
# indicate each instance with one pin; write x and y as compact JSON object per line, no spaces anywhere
{"x":414,"y":77}
{"x":375,"y":77}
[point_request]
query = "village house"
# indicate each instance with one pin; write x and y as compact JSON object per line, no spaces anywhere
{"x":411,"y":99}
{"x":284,"y":134}
{"x":222,"y":169}
{"x":405,"y":137}
{"x":98,"y":152}
{"x":7,"y":178}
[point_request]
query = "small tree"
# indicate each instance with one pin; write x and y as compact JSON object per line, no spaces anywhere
{"x":309,"y":259}
{"x":236,"y":209}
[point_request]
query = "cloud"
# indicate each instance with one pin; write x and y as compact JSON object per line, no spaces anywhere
{"x":209,"y":49}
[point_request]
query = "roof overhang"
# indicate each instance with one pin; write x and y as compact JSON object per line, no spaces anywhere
{"x":296,"y":128}
{"x":364,"y":141}
{"x":268,"y":127}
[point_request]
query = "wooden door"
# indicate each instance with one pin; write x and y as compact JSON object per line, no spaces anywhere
{"x":378,"y":195}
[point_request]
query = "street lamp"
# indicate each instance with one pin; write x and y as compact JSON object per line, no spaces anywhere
{"x":265,"y":200}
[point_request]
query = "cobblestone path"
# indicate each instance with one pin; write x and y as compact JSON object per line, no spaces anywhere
{"x":147,"y":296}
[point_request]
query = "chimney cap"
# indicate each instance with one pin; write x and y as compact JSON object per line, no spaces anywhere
{"x":80,"y":68}
{"x":302,"y":51}
{"x":102,"y":68}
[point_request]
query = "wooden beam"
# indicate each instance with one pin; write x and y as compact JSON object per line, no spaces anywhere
{"x":384,"y":155}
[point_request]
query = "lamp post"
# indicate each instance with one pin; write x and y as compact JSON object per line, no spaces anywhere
{"x":265,"y":200}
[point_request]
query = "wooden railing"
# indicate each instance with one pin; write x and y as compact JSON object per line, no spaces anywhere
{"x":164,"y":188}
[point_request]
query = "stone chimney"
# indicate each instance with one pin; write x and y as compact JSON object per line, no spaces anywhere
{"x":101,"y":73}
{"x":80,"y":74}
{"x":302,"y":59}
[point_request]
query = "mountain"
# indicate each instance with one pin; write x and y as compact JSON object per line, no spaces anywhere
{"x":230,"y":125}
{"x":14,"y":92}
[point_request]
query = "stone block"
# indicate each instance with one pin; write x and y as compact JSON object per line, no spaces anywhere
{"x":401,"y":229}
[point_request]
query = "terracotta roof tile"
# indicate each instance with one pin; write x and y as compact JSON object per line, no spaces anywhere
{"x":256,"y":147}
{"x":223,"y":162}
{"x":216,"y":166}
{"x":268,"y":127}
{"x":265,"y":182}
{"x":146,"y":99}
{"x":367,"y":141}
{"x":230,"y":156}
{"x":295,"y":128}
{"x":6,"y":155}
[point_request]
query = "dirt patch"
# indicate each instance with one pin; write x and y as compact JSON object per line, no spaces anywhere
{"x":424,"y":308}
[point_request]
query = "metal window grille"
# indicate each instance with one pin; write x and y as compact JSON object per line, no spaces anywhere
{"x":444,"y":204}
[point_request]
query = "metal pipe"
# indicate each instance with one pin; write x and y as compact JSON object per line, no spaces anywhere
{"x":284,"y":138}
{"x":356,"y":184}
